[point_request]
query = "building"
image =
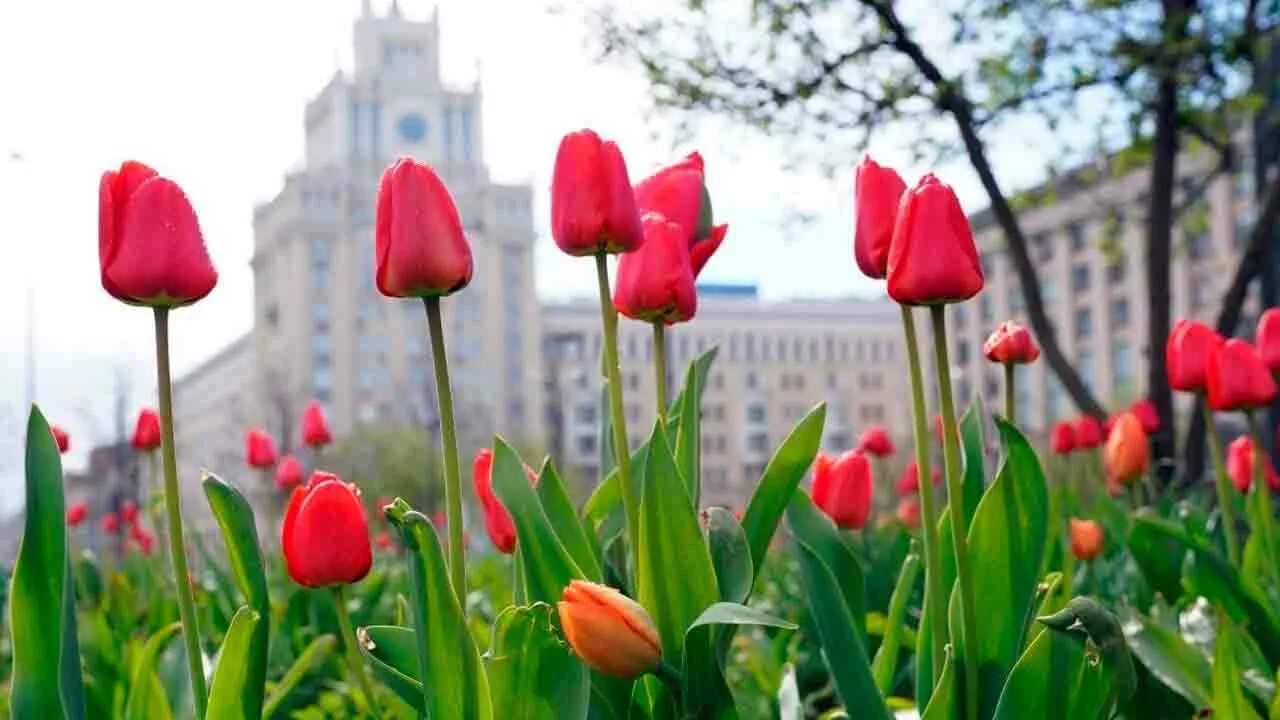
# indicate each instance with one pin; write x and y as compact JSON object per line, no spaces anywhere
{"x":1087,"y":246}
{"x":776,"y":360}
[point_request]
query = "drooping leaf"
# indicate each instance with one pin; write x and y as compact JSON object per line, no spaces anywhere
{"x":532,"y":673}
{"x":231,"y":676}
{"x":314,"y":655}
{"x":1170,"y":659}
{"x":392,"y":653}
{"x":1054,"y":680}
{"x":1160,"y":558}
{"x":146,"y":695}
{"x":730,"y":554}
{"x":811,"y":527}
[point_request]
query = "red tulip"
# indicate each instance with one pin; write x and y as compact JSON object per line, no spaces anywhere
{"x":1237,"y":378}
{"x":593,"y":208}
{"x":655,"y":283}
{"x":384,"y":541}
{"x":62,"y":438}
{"x":842,"y":488}
{"x":909,"y":482}
{"x":1063,"y":439}
{"x":1127,"y":454}
{"x":497,"y":521}
{"x":932,"y":258}
{"x":324,"y":536}
{"x":1269,"y":339}
{"x":877,"y":191}
{"x":146,"y":433}
{"x":421,"y":248}
{"x":145,"y":541}
{"x":1186,"y":354}
{"x":876,"y":441}
{"x":129,"y":513}
{"x":77,"y":513}
{"x":1011,"y":344}
{"x":260,"y":450}
{"x":1088,"y":432}
{"x":1087,"y":539}
{"x":315,"y":429}
{"x":110,"y":523}
{"x":288,"y":473}
{"x":679,"y":193}
{"x":1145,"y":410}
{"x":908,"y":512}
{"x":1240,"y":455}
{"x":150,"y":249}
{"x":1109,"y":423}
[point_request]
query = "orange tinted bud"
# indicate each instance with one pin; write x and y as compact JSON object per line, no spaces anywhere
{"x":1127,"y":454}
{"x":609,"y":631}
{"x":1087,"y":539}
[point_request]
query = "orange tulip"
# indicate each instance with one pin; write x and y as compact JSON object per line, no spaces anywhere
{"x":610,"y":632}
{"x":1087,"y":539}
{"x":1127,"y":454}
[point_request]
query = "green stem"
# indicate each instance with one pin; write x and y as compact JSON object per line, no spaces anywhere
{"x":352,"y":650}
{"x":154,"y":487}
{"x":1264,"y":494}
{"x":621,"y":453}
{"x":1226,"y":500}
{"x":1010,"y":396}
{"x":660,"y":367}
{"x":955,"y":496}
{"x":1069,"y":502}
{"x":669,"y":675}
{"x":935,"y":598}
{"x":177,"y":546}
{"x":449,"y":441}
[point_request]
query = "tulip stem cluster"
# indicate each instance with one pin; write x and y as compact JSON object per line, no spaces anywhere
{"x":618,"y":419}
{"x":955,"y":496}
{"x":177,"y":547}
{"x":354,"y":662}
{"x":1264,"y":497}
{"x":449,"y":439}
{"x":1226,"y":501}
{"x":934,"y":591}
{"x":660,"y":366}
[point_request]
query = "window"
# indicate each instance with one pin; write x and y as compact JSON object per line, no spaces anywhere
{"x":1086,"y":367}
{"x":1075,"y":236}
{"x":1119,"y":313}
{"x":1043,"y":247}
{"x":758,"y":442}
{"x":1079,"y":277}
{"x":962,"y":352}
{"x":872,"y":413}
{"x":320,"y":312}
{"x":755,"y":413}
{"x":322,"y":378}
{"x":959,"y":315}
{"x":1122,"y":363}
{"x":984,"y":306}
{"x":322,"y":343}
{"x":1084,"y":323}
{"x":964,"y":391}
{"x":988,"y":262}
{"x":585,"y":414}
{"x":586,"y":444}
{"x":1049,"y":290}
{"x":1198,"y":246}
{"x":1117,"y":268}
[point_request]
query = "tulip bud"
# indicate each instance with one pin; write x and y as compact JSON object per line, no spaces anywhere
{"x":877,"y":191}
{"x":324,"y":536}
{"x":110,"y":523}
{"x":129,"y":513}
{"x":315,"y":429}
{"x":909,"y":482}
{"x":1087,"y":539}
{"x":1127,"y":454}
{"x":419,"y":242}
{"x":259,"y":449}
{"x":1240,"y":457}
{"x":288,"y":473}
{"x":908,"y":512}
{"x":876,"y":441}
{"x":146,"y":433}
{"x":1063,"y":440}
{"x":932,"y":258}
{"x":1268,"y":338}
{"x":1145,"y":411}
{"x":1237,"y":378}
{"x":655,"y":283}
{"x":610,"y":632}
{"x":842,"y":488}
{"x":62,"y":438}
{"x":1011,"y":344}
{"x":145,"y":541}
{"x":1186,"y":354}
{"x":77,"y":513}
{"x":593,"y":208}
{"x":1089,"y":432}
{"x":497,"y":521}
{"x":679,"y":193}
{"x":150,"y":248}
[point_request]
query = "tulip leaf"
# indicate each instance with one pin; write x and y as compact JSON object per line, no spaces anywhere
{"x":231,"y":676}
{"x":392,"y":653}
{"x":1159,"y":557}
{"x":943,"y":703}
{"x":686,"y":411}
{"x":1054,"y":680}
{"x":730,"y":554}
{"x":146,"y":695}
{"x":234,"y":516}
{"x":1170,"y":659}
{"x":314,"y":655}
{"x":453,"y":679}
{"x":532,"y":673}
{"x":704,"y":689}
{"x":815,"y":530}
{"x":973,"y":445}
{"x":781,"y":478}
{"x":46,"y":680}
{"x":1228,"y":697}
{"x":548,"y":565}
{"x":564,"y":521}
{"x":885,"y":663}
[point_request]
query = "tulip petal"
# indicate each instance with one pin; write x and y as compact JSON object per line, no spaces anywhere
{"x":158,"y":257}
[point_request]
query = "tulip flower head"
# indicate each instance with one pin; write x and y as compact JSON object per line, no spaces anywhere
{"x":609,"y":631}
{"x":324,"y":536}
{"x":1089,"y":432}
{"x":146,"y":432}
{"x":129,"y":513}
{"x":909,"y":482}
{"x":1011,"y":344}
{"x":877,"y":191}
{"x":1063,"y":438}
{"x":420,"y":247}
{"x":842,"y":488}
{"x":62,"y":438}
{"x":1127,"y":454}
{"x":315,"y":428}
{"x":1238,"y":380}
{"x":932,"y":259}
{"x":1087,"y":539}
{"x":288,"y":473}
{"x":77,"y":513}
{"x":143,"y":538}
{"x":876,"y":441}
{"x":1268,"y":338}
{"x":150,"y":249}
{"x":259,"y":450}
{"x":1186,"y":355}
{"x":655,"y":282}
{"x":593,"y":208}
{"x":1145,"y":411}
{"x":908,"y":512}
{"x":679,"y":193}
{"x":1240,"y":457}
{"x":497,"y":521}
{"x":110,"y":523}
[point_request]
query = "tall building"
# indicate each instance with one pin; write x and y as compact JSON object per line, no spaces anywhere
{"x":776,"y":360}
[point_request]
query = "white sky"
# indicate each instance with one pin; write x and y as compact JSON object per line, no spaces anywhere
{"x":212,"y":94}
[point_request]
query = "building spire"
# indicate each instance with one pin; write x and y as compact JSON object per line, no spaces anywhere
{"x":366,"y":8}
{"x":395,"y":9}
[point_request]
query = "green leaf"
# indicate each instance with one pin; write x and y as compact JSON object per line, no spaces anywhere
{"x":46,"y":680}
{"x":688,"y":414}
{"x":1160,"y":559}
{"x":146,"y":695}
{"x":548,"y":565}
{"x":944,"y":702}
{"x":234,"y":516}
{"x":1228,"y":696}
{"x":781,"y":478}
{"x":454,"y":681}
{"x":886,"y":660}
{"x":730,"y":554}
{"x":1054,"y":680}
{"x":564,"y":521}
{"x":973,"y":445}
{"x":815,"y":530}
{"x":1170,"y":659}
{"x":392,"y":653}
{"x":532,"y":674}
{"x":731,"y":613}
{"x":231,"y":676}
{"x":314,"y":655}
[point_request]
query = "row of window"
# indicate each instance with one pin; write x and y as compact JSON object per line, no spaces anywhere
{"x":750,"y":347}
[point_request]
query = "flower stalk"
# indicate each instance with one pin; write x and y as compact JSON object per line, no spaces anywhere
{"x":1226,"y":501}
{"x":352,"y":652}
{"x":449,"y":441}
{"x":1264,"y":498}
{"x":660,"y":367}
{"x":618,"y":416}
{"x":1010,"y":393}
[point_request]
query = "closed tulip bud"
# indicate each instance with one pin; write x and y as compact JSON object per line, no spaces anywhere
{"x":876,"y":441}
{"x":1127,"y":454}
{"x":1089,"y":432}
{"x":111,"y":523}
{"x":145,"y":541}
{"x":129,"y":513}
{"x":315,"y":428}
{"x":1237,"y":378}
{"x":150,"y":248}
{"x":1087,"y":539}
{"x":842,"y":488}
{"x":1011,"y":344}
{"x":288,"y":473}
{"x":877,"y":191}
{"x":1268,"y":338}
{"x":909,"y":482}
{"x":1240,"y":457}
{"x":655,"y":283}
{"x":259,"y":450}
{"x":908,"y":512}
{"x":497,"y":521}
{"x":77,"y":513}
{"x":325,"y":537}
{"x":1145,"y":410}
{"x":146,"y":433}
{"x":609,"y":631}
{"x":593,"y":208}
{"x":1063,"y":438}
{"x":932,"y":258}
{"x":679,"y":193}
{"x":1186,"y":355}
{"x":62,"y":438}
{"x":420,"y":246}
